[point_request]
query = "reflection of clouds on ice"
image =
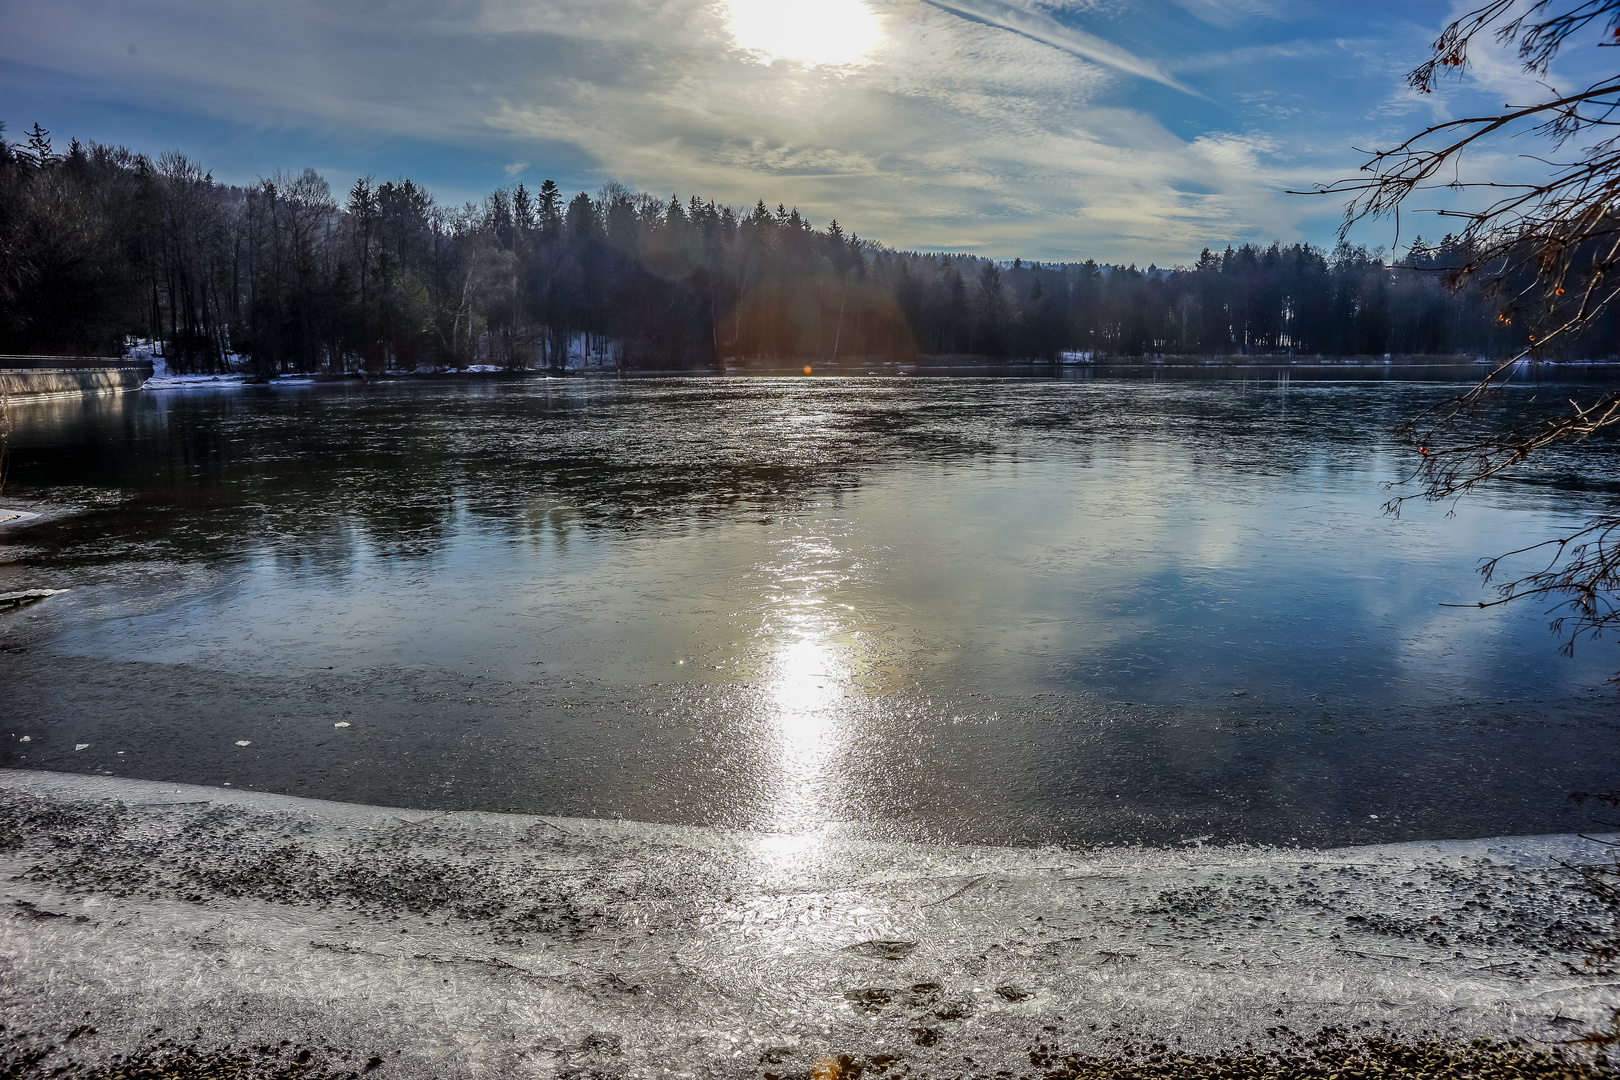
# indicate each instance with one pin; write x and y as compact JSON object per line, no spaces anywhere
{"x":1458,"y":648}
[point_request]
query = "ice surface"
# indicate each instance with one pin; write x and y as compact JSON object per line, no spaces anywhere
{"x":472,"y":944}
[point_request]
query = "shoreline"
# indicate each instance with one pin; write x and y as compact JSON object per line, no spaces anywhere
{"x":1344,"y":368}
{"x":484,"y":944}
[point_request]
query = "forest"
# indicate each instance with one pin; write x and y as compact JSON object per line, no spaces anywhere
{"x":100,"y":245}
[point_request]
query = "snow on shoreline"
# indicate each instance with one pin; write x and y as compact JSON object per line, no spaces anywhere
{"x":178,"y":382}
{"x":507,"y":945}
{"x":164,"y":379}
{"x":185,"y":382}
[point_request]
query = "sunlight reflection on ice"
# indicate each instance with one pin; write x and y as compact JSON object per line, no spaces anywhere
{"x":808,"y":664}
{"x":806,"y":686}
{"x":802,"y":697}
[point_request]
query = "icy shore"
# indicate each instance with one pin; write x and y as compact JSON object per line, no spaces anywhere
{"x":475,"y":945}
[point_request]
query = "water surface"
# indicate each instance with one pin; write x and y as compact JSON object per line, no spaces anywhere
{"x":1002,"y":610}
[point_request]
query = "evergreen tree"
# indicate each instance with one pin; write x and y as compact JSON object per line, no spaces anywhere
{"x":104,"y":243}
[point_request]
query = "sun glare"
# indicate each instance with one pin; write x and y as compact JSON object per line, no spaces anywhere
{"x":810,"y":31}
{"x":806,"y":692}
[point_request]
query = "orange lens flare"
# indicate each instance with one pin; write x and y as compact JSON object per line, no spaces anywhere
{"x":828,"y":319}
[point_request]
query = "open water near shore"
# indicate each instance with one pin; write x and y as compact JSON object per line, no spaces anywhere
{"x":976,"y":609}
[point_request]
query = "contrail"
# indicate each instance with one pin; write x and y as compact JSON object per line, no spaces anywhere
{"x":1048,"y":31}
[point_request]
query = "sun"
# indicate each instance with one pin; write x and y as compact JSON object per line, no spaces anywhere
{"x":809,"y":31}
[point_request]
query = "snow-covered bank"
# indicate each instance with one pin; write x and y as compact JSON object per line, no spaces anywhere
{"x":585,"y":354}
{"x":145,"y":351}
{"x":502,"y":945}
{"x":179,"y":382}
{"x":186,"y":382}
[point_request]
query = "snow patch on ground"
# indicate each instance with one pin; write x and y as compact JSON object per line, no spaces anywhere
{"x":584,"y":353}
{"x":181,"y":382}
{"x":150,"y":352}
{"x":147,"y":352}
{"x":503,"y":945}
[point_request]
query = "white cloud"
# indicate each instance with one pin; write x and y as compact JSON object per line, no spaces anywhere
{"x":966,"y":124}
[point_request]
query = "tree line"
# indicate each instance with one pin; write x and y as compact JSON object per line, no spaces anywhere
{"x":99,"y":244}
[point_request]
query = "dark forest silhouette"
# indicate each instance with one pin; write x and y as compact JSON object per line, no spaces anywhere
{"x":99,"y":244}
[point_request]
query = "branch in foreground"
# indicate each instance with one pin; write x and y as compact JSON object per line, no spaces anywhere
{"x":1549,"y":250}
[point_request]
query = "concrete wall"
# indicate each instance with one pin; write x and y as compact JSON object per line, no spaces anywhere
{"x":61,"y":382}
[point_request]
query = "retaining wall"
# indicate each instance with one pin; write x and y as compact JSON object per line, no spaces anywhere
{"x":66,"y":382}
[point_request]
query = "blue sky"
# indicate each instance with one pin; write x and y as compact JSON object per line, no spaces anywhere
{"x":1125,"y":130}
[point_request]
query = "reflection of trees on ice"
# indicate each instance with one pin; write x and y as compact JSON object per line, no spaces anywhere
{"x":500,"y":945}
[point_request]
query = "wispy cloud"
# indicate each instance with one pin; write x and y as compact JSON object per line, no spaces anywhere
{"x":1253,"y":54}
{"x":1049,"y":31}
{"x":1229,"y":12}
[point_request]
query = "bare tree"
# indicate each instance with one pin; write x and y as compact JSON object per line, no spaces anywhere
{"x":1547,"y":251}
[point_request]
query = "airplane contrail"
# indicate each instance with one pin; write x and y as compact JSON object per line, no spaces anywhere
{"x":1048,"y":31}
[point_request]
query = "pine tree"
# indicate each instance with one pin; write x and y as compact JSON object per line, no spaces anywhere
{"x":522,"y":209}
{"x":548,"y":208}
{"x":38,"y":152}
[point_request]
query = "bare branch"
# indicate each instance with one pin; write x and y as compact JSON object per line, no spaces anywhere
{"x":1549,"y":250}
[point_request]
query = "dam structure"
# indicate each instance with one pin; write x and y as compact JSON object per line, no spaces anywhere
{"x":33,"y":378}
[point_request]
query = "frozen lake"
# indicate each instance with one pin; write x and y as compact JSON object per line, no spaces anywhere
{"x":1005,"y":611}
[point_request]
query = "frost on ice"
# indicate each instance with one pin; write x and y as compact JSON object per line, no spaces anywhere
{"x":501,"y":945}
